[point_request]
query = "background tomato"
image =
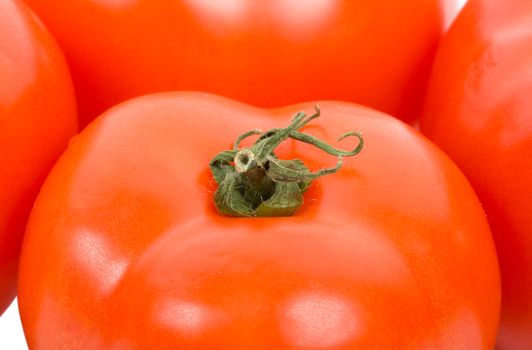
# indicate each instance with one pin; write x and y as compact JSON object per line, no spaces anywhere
{"x":479,"y":110}
{"x":392,"y":252}
{"x":267,"y":53}
{"x":37,"y":117}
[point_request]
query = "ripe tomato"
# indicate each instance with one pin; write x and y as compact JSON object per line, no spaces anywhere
{"x":392,"y":252}
{"x":37,"y":117}
{"x":267,"y":53}
{"x":479,"y":110}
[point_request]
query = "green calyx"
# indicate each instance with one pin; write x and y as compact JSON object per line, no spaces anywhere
{"x":254,"y":182}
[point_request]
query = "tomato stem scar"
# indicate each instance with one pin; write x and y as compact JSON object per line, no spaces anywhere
{"x":254,"y":182}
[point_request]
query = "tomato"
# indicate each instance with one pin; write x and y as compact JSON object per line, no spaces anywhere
{"x":393,"y":251}
{"x":267,"y":53}
{"x":478,"y":110}
{"x":37,"y":117}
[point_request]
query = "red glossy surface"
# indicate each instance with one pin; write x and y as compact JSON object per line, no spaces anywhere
{"x":37,"y":117}
{"x":479,"y":110}
{"x":393,"y":251}
{"x":267,"y":53}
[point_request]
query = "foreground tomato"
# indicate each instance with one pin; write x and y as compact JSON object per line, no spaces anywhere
{"x":125,"y":249}
{"x":37,"y":117}
{"x":479,"y":110}
{"x":268,"y":53}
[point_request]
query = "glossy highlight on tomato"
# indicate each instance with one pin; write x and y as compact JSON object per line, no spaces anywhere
{"x":37,"y":117}
{"x":268,"y":53}
{"x":479,"y":111}
{"x":392,"y":251}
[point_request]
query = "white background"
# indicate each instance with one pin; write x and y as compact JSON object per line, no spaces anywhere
{"x":11,"y":334}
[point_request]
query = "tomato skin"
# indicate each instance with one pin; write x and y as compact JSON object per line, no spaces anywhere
{"x":394,"y":244}
{"x":478,"y":110}
{"x":267,"y":53}
{"x":37,"y":117}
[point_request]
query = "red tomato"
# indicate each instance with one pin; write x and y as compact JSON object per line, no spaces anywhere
{"x":392,"y":252}
{"x":267,"y":53}
{"x":479,"y":110}
{"x":37,"y":117}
